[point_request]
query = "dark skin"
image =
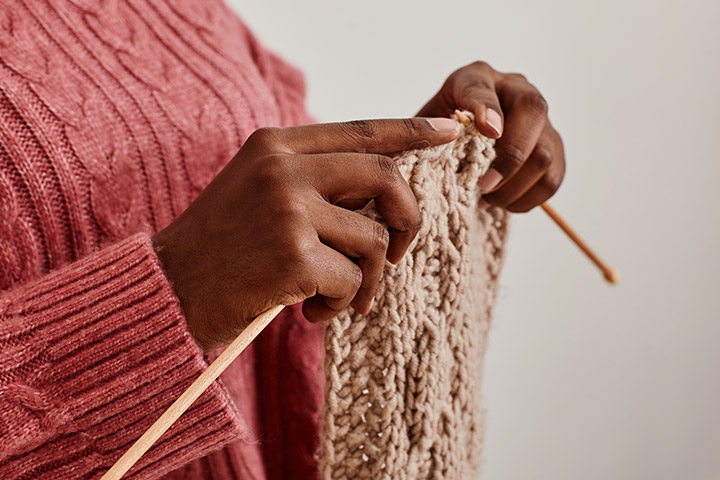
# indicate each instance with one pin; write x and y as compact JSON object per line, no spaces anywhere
{"x":278,"y":225}
{"x":530,"y":163}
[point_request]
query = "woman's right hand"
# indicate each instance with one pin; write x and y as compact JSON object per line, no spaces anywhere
{"x":276,"y":226}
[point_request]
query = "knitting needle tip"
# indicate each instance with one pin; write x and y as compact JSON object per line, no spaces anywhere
{"x":612,"y":275}
{"x":462,"y":118}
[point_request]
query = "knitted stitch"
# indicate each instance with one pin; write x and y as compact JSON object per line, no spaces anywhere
{"x":403,"y":382}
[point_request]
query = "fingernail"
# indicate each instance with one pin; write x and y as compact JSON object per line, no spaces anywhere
{"x":483,"y":203}
{"x":493,"y":119}
{"x":443,"y":124}
{"x":372,"y":302}
{"x":490,"y":180}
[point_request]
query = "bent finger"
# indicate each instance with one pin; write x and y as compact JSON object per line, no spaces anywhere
{"x":359,"y":238}
{"x":337,"y":279}
{"x":525,"y":121}
{"x":541,"y":191}
{"x":541,"y":159}
{"x":343,"y":178}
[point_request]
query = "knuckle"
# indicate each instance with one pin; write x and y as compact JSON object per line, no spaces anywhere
{"x":511,"y":158}
{"x":264,"y":136}
{"x":292,"y":211}
{"x":535,"y":102}
{"x":413,"y":222}
{"x":380,"y":237}
{"x":480,"y":65}
{"x":386,"y":168}
{"x":355,"y":279}
{"x":475,"y":67}
{"x":411,"y":127}
{"x":298,"y":251}
{"x":481,"y":83}
{"x":362,"y":129}
{"x":274,"y":169}
{"x":293,"y":259}
{"x":307,"y":286}
{"x":518,"y":77}
{"x":543,"y":157}
{"x":417,"y":221}
{"x":293,"y":215}
{"x":550,"y":183}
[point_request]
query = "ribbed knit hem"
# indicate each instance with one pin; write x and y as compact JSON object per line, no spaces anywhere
{"x":102,"y":349}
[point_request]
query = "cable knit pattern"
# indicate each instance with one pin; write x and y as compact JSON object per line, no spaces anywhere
{"x":402,"y":392}
{"x":114,"y":115}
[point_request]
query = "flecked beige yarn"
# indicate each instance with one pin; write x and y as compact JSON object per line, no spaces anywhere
{"x":402,"y":394}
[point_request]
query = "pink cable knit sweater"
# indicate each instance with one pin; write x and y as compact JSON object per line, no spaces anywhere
{"x":113,"y":116}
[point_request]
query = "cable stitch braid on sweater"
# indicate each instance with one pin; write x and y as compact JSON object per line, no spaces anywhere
{"x":402,"y":396}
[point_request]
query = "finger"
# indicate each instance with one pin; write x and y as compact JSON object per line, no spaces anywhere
{"x":338,"y":279}
{"x":542,"y":190}
{"x":473,"y":88}
{"x":344,"y":176}
{"x":374,"y":136}
{"x":532,"y":170}
{"x":356,"y":237}
{"x":526,"y":116}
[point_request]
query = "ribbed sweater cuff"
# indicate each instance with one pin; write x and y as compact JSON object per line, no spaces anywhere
{"x":115,"y":353}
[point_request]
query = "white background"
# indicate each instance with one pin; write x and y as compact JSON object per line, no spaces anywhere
{"x":583,"y":380}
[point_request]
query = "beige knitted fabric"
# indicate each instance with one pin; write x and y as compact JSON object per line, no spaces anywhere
{"x":402,"y":394}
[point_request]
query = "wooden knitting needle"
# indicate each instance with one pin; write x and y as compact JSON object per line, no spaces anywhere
{"x":610,"y":274}
{"x":189,"y":396}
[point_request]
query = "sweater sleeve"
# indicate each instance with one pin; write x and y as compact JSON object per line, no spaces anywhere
{"x":90,"y":355}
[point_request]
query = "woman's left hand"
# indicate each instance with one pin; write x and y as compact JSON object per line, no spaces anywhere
{"x":530,"y":163}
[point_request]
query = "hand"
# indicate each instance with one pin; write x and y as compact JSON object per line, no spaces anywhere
{"x":530,"y":163}
{"x":272,"y":229}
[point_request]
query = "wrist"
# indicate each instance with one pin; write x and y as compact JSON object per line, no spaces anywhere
{"x":172,"y":266}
